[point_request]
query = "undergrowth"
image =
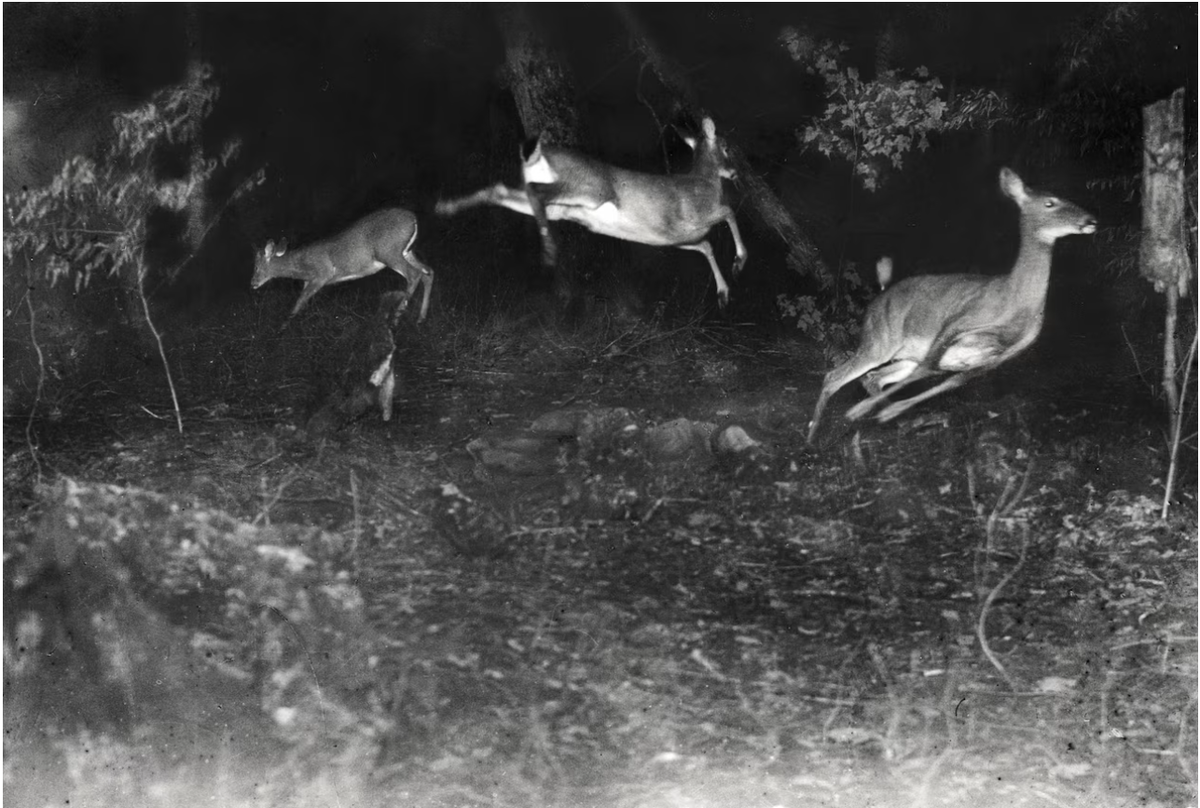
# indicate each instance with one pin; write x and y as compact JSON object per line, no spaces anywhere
{"x":955,"y":609}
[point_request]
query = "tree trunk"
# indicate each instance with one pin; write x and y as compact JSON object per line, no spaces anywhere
{"x":544,"y":92}
{"x":1163,"y":258}
{"x":885,"y":47}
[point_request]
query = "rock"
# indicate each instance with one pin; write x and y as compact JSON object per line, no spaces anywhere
{"x":590,"y":426}
{"x":678,"y":440}
{"x":522,"y":451}
{"x":732,"y":439}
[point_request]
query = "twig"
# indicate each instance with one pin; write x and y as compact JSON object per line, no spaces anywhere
{"x":37,"y":398}
{"x":1136,"y":364}
{"x":162,"y":354}
{"x":653,"y":509}
{"x":922,"y":797}
{"x":950,"y":699}
{"x":256,"y":179}
{"x":395,"y":501}
{"x":1103,"y":733}
{"x":1181,"y":745}
{"x":151,"y":413}
{"x":1177,"y":428}
{"x":263,"y":462}
{"x":895,"y":701}
{"x":838,"y":704}
{"x":357,"y":511}
{"x":971,"y":495}
{"x":981,"y":625}
{"x":619,"y":337}
{"x":265,"y":514}
{"x":1004,"y":506}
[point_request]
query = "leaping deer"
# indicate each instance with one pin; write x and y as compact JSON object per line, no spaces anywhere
{"x":660,"y":210}
{"x":378,"y":240}
{"x":964,"y":325}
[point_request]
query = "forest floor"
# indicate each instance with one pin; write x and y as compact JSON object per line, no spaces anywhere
{"x":976,"y":605}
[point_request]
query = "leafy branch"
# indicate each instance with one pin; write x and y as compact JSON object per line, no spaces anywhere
{"x":871,"y":124}
{"x":92,"y":217}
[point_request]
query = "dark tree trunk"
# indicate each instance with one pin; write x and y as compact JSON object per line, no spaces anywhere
{"x":1163,"y":258}
{"x":544,"y":91}
{"x":886,"y":44}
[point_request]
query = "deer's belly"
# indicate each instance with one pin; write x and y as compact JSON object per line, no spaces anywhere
{"x":355,"y":274}
{"x":609,"y":220}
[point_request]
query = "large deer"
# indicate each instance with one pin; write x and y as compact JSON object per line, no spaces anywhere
{"x":380,"y":239}
{"x":964,"y":325}
{"x":660,"y":210}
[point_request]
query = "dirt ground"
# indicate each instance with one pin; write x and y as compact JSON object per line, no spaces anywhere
{"x":976,"y":605}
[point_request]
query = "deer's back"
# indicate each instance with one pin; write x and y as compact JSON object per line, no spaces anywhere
{"x":657,"y":209}
{"x":377,"y":236}
{"x":928,"y":306}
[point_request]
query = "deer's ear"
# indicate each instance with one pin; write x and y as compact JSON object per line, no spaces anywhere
{"x":1012,"y":186}
{"x":710,"y":128}
{"x":281,"y":249}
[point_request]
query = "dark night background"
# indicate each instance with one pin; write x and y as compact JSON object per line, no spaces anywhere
{"x":352,"y":107}
{"x":592,"y":558}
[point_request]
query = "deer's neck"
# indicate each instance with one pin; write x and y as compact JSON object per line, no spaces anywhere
{"x":705,"y":165}
{"x":1030,"y":275}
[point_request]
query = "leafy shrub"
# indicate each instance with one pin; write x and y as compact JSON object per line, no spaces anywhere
{"x":93,"y":214}
{"x":873,"y":123}
{"x":835,"y":334}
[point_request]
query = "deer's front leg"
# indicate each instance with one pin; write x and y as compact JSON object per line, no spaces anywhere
{"x":705,"y":249}
{"x":740,"y":259}
{"x":322,"y":273}
{"x":536,"y":193}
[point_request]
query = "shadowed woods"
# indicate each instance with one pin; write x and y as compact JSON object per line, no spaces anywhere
{"x":561,"y":536}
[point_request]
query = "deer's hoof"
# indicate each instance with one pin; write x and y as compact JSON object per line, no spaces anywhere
{"x":891,"y":411}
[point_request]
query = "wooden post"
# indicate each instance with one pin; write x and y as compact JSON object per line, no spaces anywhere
{"x":1163,"y":258}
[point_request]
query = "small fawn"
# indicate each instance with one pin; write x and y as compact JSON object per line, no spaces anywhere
{"x":660,"y":210}
{"x":964,"y":325}
{"x":380,"y":239}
